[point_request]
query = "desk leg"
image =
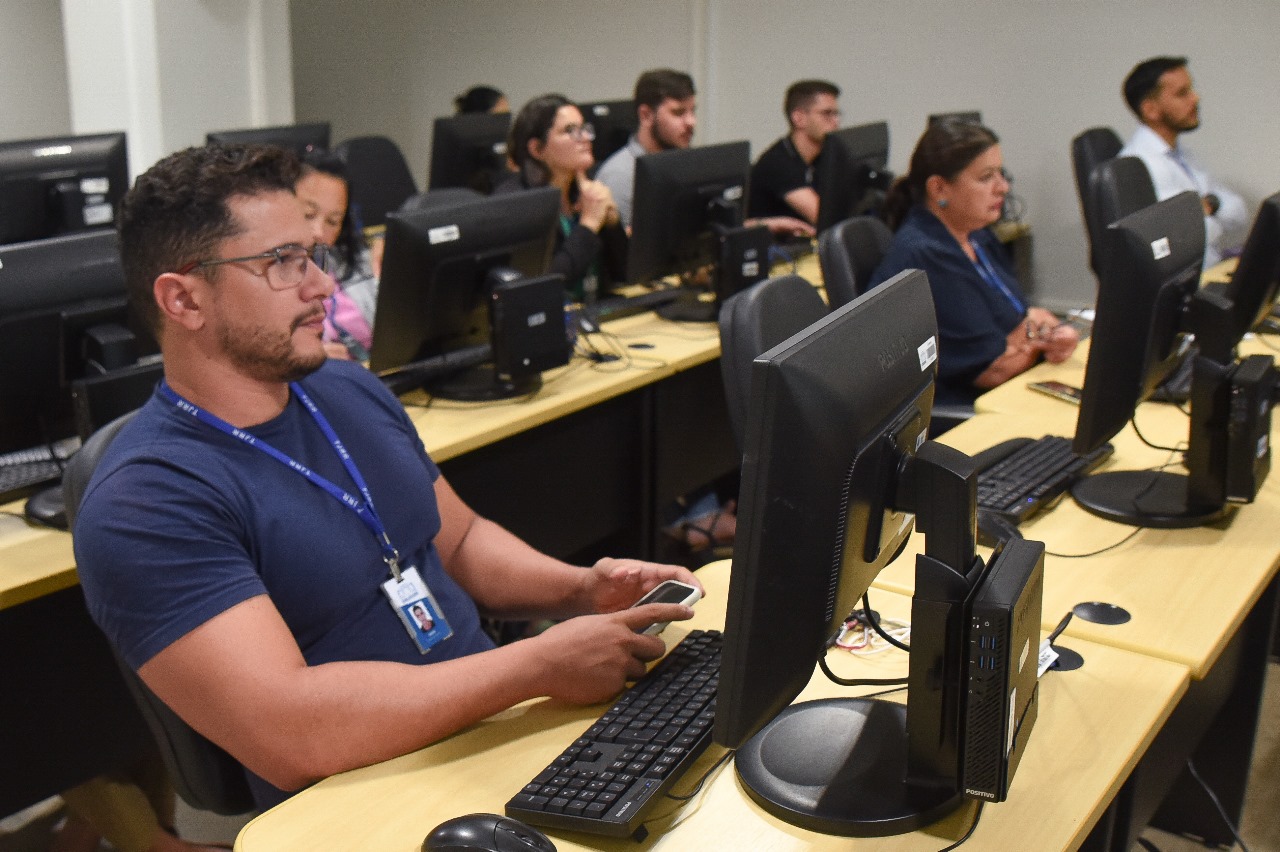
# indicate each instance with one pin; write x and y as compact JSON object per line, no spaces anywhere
{"x":1214,"y":724}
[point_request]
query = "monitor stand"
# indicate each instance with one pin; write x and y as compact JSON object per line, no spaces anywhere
{"x":1144,"y":498}
{"x":838,"y":766}
{"x":483,"y":384}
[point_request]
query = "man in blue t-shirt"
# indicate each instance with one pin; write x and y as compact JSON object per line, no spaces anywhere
{"x":268,"y":543}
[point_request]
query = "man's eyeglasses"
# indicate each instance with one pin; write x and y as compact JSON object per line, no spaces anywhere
{"x":287,"y":267}
{"x":580,"y":132}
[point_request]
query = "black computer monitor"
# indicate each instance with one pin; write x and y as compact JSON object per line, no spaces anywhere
{"x":61,"y":185}
{"x":1256,"y":280}
{"x":836,"y":467}
{"x":687,"y":220}
{"x":436,"y":283}
{"x":469,"y":150}
{"x":299,"y":138}
{"x":969,"y":117}
{"x":63,"y":316}
{"x":852,"y":173}
{"x":1150,"y":313}
{"x":614,"y":123}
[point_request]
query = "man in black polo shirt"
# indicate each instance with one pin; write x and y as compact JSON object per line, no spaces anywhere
{"x":782,"y":180}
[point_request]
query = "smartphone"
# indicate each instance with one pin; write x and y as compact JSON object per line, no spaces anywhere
{"x":668,"y":591}
{"x":1061,"y":390}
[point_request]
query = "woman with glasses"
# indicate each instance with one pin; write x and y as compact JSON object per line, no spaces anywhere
{"x":942,"y":210}
{"x":323,"y":191}
{"x":550,"y":145}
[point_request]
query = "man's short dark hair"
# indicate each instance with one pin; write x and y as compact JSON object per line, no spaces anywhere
{"x":1144,"y":80}
{"x":176,"y":213}
{"x":802,"y":93}
{"x":654,"y":87}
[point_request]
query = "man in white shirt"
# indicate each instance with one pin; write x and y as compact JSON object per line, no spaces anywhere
{"x":1160,"y":93}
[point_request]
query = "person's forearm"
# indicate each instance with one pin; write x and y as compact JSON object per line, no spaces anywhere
{"x":509,"y":579}
{"x":1014,"y":361}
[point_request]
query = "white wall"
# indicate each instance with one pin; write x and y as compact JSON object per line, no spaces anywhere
{"x":33,"y":72}
{"x":1039,"y":70}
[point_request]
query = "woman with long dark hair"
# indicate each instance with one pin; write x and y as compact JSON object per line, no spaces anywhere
{"x":550,"y":145}
{"x":942,"y":210}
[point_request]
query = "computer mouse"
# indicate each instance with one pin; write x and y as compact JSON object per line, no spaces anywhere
{"x":486,"y":833}
{"x":47,"y":508}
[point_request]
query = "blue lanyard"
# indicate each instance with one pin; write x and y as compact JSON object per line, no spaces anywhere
{"x":989,"y":274}
{"x":363,"y":508}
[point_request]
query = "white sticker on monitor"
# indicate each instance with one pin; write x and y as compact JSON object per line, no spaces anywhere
{"x":500,"y":148}
{"x":927,"y":353}
{"x":751,"y":268}
{"x":600,"y":109}
{"x":444,"y":234}
{"x":732,"y":193}
{"x":97,"y":214}
{"x":536,"y":319}
{"x":1160,"y":248}
{"x":95,"y":186}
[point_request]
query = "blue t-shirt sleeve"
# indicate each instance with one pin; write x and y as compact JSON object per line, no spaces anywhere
{"x":162,"y":558}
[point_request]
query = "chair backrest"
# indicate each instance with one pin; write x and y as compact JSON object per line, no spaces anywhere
{"x":378,"y":177}
{"x":849,"y":252}
{"x":202,"y":773}
{"x":1089,"y":150}
{"x":1117,"y":188}
{"x":753,"y":322}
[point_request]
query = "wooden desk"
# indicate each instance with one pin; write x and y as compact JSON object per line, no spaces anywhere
{"x":1203,"y":597}
{"x":1078,"y":756}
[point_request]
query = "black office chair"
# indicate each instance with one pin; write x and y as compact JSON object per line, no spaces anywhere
{"x":1117,"y":188}
{"x":378,"y":178}
{"x":849,"y":252}
{"x":204,"y":775}
{"x":1089,"y":150}
{"x":754,"y":321}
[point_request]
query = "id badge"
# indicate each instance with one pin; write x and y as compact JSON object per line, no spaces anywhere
{"x":417,"y":609}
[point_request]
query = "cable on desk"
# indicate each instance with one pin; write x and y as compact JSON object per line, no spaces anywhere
{"x":977,"y":815}
{"x":875,"y":625}
{"x":1097,"y":552}
{"x":697,"y":788}
{"x":1147,"y":845}
{"x":1213,"y":797}
{"x":1062,"y":625}
{"x":857,"y":681}
{"x":1133,"y":421}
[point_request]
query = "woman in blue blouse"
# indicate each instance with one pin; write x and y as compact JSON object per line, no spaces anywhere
{"x":941,"y":211}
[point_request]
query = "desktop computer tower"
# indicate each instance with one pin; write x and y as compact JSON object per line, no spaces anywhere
{"x":1253,"y":384}
{"x":1002,"y":696}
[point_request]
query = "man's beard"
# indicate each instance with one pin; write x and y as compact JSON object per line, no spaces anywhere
{"x":269,"y":356}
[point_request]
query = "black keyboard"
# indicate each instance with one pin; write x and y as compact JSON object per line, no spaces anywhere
{"x":617,"y":307}
{"x":28,"y":470}
{"x":612,"y":776}
{"x":1026,"y":475}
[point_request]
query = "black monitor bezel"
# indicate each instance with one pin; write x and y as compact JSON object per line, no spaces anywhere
{"x":674,"y":228}
{"x":299,"y":138}
{"x":468,"y":150}
{"x":853,"y":161}
{"x":36,"y":167}
{"x":419,"y":314}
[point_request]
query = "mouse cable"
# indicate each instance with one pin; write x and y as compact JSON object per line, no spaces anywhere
{"x":1147,"y":845}
{"x":697,"y":788}
{"x":875,"y":625}
{"x":1213,"y":797}
{"x":977,"y":815}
